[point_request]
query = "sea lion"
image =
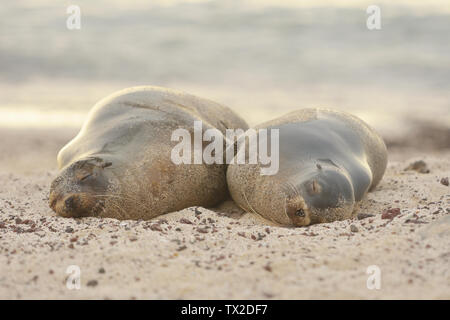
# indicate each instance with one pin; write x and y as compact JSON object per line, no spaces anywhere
{"x":328,"y":160}
{"x":119,"y":165}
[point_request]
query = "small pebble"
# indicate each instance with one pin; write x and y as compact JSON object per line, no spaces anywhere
{"x":92,"y":283}
{"x":418,"y":166}
{"x":268,"y":268}
{"x":186,"y":221}
{"x":69,"y":230}
{"x":361,"y":216}
{"x":390,"y":213}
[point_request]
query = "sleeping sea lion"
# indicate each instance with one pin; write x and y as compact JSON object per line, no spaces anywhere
{"x":120,"y":166}
{"x":328,"y":160}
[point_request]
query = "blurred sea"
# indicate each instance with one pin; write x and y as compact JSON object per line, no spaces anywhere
{"x":261,"y":58}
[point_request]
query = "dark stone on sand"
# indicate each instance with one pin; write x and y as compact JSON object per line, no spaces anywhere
{"x":390,"y":213}
{"x":92,"y":283}
{"x":361,"y":216}
{"x":418,"y":166}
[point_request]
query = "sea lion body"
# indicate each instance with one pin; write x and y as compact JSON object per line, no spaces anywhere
{"x":119,"y":165}
{"x":328,"y":160}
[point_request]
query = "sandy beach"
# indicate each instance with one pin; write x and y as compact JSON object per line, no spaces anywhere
{"x":263,"y":59}
{"x":222,"y":253}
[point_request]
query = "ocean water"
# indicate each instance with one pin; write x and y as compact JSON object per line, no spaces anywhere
{"x":261,"y":58}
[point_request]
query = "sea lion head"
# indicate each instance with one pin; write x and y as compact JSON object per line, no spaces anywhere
{"x":317,"y":193}
{"x":80,"y":188}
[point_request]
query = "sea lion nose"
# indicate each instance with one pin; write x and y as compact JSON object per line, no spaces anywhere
{"x":70,"y":203}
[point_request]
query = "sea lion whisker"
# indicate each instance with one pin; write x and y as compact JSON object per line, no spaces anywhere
{"x":108,"y":196}
{"x":248,"y":203}
{"x":114,"y":204}
{"x":292,"y":188}
{"x":111,"y":203}
{"x":120,"y":210}
{"x":253,"y":210}
{"x":121,"y":198}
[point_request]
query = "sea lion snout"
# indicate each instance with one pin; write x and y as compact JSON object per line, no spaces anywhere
{"x":326,"y":189}
{"x":75,"y":205}
{"x":317,"y":191}
{"x":70,"y":203}
{"x":78,"y":190}
{"x":297,"y":210}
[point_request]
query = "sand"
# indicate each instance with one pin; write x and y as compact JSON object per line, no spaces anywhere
{"x":222,"y":253}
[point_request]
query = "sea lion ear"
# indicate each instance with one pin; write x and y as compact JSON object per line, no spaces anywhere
{"x":79,"y":164}
{"x":83,"y":175}
{"x":96,"y":161}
